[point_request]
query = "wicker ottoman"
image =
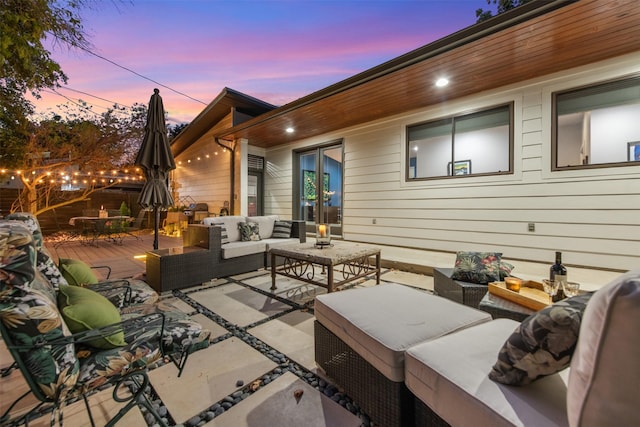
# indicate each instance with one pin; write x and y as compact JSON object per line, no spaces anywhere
{"x":361,"y":336}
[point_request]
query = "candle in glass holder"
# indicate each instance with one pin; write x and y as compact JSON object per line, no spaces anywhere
{"x":513,"y":283}
{"x":322,"y":230}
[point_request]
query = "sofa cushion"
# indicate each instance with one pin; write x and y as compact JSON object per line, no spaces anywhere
{"x":381,"y":322}
{"x":477,"y":267}
{"x":249,"y":231}
{"x":277,"y":242}
{"x":604,"y":378}
{"x":450,"y":375}
{"x":230,"y":223}
{"x":237,"y":249}
{"x":84,"y":310}
{"x":542,"y":344}
{"x":265,"y":223}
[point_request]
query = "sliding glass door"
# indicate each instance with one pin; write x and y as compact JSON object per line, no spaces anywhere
{"x":318,"y":193}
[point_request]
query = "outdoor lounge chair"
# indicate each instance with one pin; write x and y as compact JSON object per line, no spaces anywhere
{"x":107,"y":347}
{"x":121,"y":292}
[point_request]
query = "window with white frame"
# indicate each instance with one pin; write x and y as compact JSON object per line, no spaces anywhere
{"x":477,"y":143}
{"x":597,"y":125}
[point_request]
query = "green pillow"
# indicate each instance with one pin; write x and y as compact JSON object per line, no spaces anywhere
{"x":77,"y":272}
{"x":83,"y":310}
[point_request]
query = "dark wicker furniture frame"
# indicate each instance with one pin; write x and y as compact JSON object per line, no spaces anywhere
{"x":386,"y":402}
{"x":466,"y":293}
{"x":492,"y":305}
{"x":201,"y":259}
{"x":425,"y":417}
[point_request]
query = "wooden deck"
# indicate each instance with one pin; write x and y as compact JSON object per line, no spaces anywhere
{"x":119,"y":257}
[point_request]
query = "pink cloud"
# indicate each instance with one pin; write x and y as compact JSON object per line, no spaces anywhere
{"x":276,"y":51}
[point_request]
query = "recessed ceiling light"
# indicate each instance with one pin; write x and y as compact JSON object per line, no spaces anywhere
{"x":289,"y":130}
{"x":442,"y":82}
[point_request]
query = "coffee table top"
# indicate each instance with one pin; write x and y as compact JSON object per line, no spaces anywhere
{"x":338,"y":253}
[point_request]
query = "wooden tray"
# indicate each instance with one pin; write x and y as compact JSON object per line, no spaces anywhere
{"x":531,"y":294}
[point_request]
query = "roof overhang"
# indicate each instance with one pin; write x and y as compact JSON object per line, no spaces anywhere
{"x":227,"y":101}
{"x":536,"y":39}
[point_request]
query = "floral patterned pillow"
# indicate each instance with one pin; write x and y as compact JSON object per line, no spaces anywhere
{"x":542,"y":344}
{"x":249,"y":231}
{"x":17,"y":256}
{"x":49,"y":269}
{"x":31,"y":317}
{"x":505,"y":269}
{"x":477,"y":267}
{"x":30,"y":221}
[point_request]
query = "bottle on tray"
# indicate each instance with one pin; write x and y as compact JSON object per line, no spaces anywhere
{"x":558,"y":273}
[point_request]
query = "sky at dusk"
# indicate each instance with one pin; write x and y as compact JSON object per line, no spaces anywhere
{"x":274,"y":50}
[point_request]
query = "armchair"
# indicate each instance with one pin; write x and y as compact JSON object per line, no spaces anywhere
{"x":69,"y":341}
{"x":121,"y":292}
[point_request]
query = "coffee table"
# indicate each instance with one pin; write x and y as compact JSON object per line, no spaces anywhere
{"x":298,"y":261}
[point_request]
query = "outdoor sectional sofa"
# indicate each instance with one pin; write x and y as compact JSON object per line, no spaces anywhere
{"x":410,"y":358}
{"x":215,"y":249}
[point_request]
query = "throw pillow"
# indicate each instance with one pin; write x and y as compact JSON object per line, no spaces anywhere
{"x":83,"y":310}
{"x":281,"y":230}
{"x":542,"y":344}
{"x":249,"y":231}
{"x":224,"y":237}
{"x":477,"y":267}
{"x":505,"y":269}
{"x":265,"y":224}
{"x":77,"y":272}
{"x":604,"y":375}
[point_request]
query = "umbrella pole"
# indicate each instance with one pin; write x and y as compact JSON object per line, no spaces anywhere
{"x":156,"y":220}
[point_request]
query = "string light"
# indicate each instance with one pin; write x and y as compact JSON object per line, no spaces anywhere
{"x":207,"y":156}
{"x":64,"y":177}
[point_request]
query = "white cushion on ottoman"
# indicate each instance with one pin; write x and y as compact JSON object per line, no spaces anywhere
{"x":450,"y":375}
{"x":381,"y":322}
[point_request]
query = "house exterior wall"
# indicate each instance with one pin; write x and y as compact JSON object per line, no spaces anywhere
{"x":202,"y":174}
{"x":592,"y":216}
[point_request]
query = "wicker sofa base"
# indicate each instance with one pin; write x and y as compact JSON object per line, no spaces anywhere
{"x":425,"y":417}
{"x":388,"y":403}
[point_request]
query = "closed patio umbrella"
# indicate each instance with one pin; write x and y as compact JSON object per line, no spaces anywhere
{"x":156,"y":159}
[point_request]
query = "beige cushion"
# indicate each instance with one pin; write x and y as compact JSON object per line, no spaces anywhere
{"x":230,"y":223}
{"x":265,"y":224}
{"x":236,"y":249}
{"x":381,"y":322}
{"x":605,"y":369}
{"x":450,"y":375}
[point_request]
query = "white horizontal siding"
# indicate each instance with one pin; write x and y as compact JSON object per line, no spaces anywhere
{"x":277,"y":183}
{"x":592,"y":216}
{"x":205,"y":180}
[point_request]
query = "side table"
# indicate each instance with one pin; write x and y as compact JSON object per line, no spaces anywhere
{"x":177,"y":268}
{"x":465,"y":293}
